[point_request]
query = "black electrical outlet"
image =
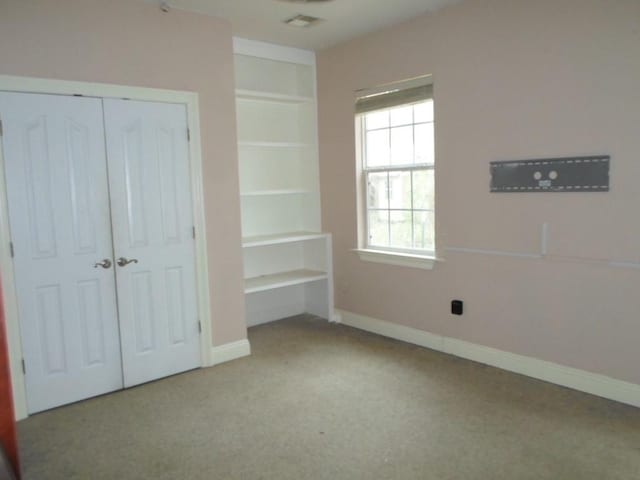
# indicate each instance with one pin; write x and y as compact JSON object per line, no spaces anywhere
{"x":456,"y":307}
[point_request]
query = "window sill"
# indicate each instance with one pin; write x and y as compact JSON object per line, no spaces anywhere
{"x":395,"y":258}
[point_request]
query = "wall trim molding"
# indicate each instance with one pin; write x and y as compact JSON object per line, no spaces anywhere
{"x":230,"y":351}
{"x":255,"y":48}
{"x":576,"y":379}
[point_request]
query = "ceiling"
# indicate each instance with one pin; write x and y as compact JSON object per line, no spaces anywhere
{"x":343,"y":19}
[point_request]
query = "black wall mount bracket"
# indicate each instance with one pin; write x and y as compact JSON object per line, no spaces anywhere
{"x":570,"y":174}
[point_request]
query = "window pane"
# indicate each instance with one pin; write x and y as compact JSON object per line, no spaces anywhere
{"x":377,"y":148}
{"x":424,"y":143}
{"x":400,"y":204}
{"x":423,"y":230}
{"x":400,"y":190}
{"x":402,"y":145}
{"x":378,"y":226}
{"x":423,"y":112}
{"x":423,"y":197}
{"x":402,"y":116}
{"x":401,"y":229}
{"x":378,"y":190}
{"x":377,"y":120}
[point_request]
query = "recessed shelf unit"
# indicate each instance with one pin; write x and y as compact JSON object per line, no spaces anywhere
{"x":284,"y":279}
{"x":287,"y":259}
{"x":291,"y":237}
{"x":272,"y":97}
{"x":261,"y":193}
{"x":245,"y":144}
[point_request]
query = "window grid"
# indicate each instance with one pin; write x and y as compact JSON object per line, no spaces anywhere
{"x":377,"y":129}
{"x":413,"y":223}
{"x":389,"y":169}
{"x":412,"y":210}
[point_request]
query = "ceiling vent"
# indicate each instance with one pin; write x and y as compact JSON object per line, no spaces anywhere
{"x":302,"y":21}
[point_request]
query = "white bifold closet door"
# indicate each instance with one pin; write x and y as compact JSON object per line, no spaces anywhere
{"x":90,"y":219}
{"x":56,"y":176}
{"x":149,"y":180}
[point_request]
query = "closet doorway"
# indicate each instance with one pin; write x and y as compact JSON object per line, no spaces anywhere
{"x":102,"y":229}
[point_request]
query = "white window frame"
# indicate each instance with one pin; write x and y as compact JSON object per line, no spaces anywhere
{"x":409,"y":257}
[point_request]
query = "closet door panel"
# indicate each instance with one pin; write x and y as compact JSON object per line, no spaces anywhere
{"x":148,"y":156}
{"x":55,"y":167}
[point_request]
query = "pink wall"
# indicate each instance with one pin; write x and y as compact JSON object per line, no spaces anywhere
{"x":514,"y":79}
{"x":132,"y":43}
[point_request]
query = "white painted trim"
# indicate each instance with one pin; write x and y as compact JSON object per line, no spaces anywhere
{"x":544,"y":254}
{"x":498,"y":253}
{"x":102,"y":90}
{"x":230,"y":351}
{"x":88,"y":89}
{"x":202,"y":260}
{"x":547,"y":257}
{"x":593,"y":383}
{"x":271,"y":51}
{"x":616,"y":264}
{"x":14,"y":339}
{"x":393,"y":258}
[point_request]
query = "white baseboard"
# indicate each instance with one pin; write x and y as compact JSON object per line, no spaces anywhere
{"x":593,"y":383}
{"x":230,"y":351}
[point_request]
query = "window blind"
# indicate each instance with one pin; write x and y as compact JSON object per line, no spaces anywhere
{"x":393,"y":98}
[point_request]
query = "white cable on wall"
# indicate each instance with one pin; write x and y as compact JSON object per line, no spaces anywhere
{"x":544,"y":254}
{"x":499,"y":253}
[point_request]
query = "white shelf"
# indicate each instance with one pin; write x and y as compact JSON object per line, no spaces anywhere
{"x":274,"y":144}
{"x":271,"y":97}
{"x":290,"y":237}
{"x":279,"y":280}
{"x":282,"y":191}
{"x":279,"y":185}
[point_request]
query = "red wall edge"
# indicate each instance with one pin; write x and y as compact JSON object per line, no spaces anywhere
{"x":7,"y":417}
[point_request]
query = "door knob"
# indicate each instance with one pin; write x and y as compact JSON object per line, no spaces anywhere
{"x":106,"y":263}
{"x":123,"y":262}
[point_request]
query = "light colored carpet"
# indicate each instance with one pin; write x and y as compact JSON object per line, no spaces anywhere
{"x":320,"y":401}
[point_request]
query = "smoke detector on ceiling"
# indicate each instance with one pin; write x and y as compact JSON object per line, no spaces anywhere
{"x":302,"y":21}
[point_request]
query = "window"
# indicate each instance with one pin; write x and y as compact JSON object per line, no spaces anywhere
{"x":396,"y":131}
